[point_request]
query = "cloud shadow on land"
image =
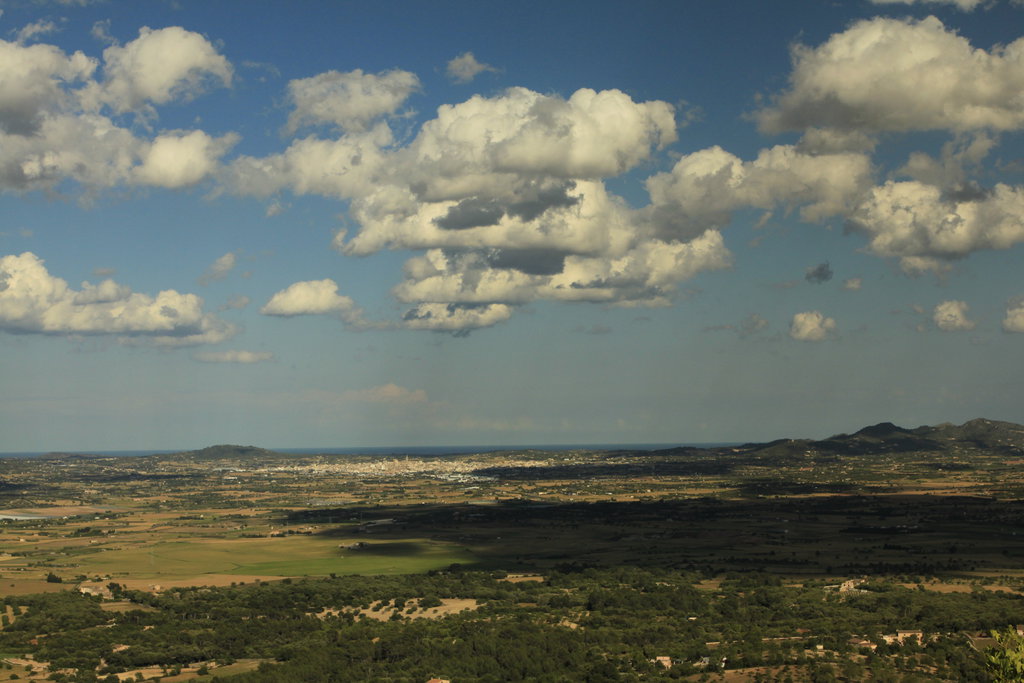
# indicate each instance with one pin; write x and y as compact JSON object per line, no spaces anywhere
{"x":771,"y":525}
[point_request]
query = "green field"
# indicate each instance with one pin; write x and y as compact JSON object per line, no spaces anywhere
{"x":277,"y":557}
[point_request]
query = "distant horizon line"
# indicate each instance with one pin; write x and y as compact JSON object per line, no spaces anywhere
{"x":463,"y":449}
{"x":384,"y":450}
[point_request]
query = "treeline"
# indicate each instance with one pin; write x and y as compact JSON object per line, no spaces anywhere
{"x":578,"y":624}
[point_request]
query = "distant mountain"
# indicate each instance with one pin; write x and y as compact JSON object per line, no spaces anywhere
{"x":229,"y":452}
{"x":781,"y":448}
{"x":54,"y":455}
{"x":886,"y":437}
{"x":882,"y":430}
{"x":979,"y":432}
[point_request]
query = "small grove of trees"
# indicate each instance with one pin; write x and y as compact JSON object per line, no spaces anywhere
{"x":1006,"y":660}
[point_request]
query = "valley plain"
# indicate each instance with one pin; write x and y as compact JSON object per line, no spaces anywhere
{"x":930,"y":521}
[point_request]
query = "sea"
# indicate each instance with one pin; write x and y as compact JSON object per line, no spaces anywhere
{"x":384,"y":451}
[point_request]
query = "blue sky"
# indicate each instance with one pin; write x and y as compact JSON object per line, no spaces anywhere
{"x":401,"y":223}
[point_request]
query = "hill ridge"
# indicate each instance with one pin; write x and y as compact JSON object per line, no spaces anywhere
{"x":882,"y":437}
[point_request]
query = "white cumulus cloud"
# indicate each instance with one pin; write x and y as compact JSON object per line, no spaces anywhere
{"x":1014,"y":320}
{"x":349,"y":100}
{"x":505,"y":197}
{"x":177,"y":160}
{"x":465,"y":67}
{"x":159,"y":66}
{"x":346,"y":167}
{"x":34,"y":302}
{"x":956,"y":161}
{"x":55,"y":116}
{"x":36,"y":28}
{"x":812,"y":326}
{"x":705,"y":187}
{"x":439,"y":317}
{"x":886,"y":74}
{"x":313,"y":297}
{"x":34,"y":83}
{"x":951,"y":316}
{"x":926,"y":228}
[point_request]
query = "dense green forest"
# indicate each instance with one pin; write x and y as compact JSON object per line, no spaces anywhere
{"x":577,"y":624}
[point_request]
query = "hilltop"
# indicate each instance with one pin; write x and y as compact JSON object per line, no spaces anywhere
{"x":976,"y":433}
{"x":228,"y":452}
{"x":886,"y":437}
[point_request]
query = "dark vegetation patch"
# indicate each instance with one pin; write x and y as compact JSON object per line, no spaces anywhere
{"x":782,"y":487}
{"x":795,"y":534}
{"x":650,"y":467}
{"x":600,"y":624}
